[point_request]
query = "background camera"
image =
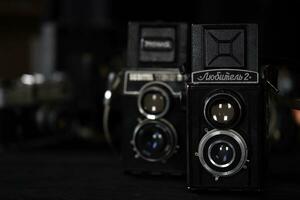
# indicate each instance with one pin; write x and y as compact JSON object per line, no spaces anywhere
{"x":152,"y":93}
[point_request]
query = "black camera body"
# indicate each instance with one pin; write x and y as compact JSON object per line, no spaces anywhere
{"x":153,"y":138}
{"x":153,"y":141}
{"x":225,"y":109}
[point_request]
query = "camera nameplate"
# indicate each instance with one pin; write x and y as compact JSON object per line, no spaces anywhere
{"x":225,"y":76}
{"x":134,"y":80}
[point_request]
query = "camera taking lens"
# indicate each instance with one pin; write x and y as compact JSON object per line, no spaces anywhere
{"x":154,"y":140}
{"x":222,"y":152}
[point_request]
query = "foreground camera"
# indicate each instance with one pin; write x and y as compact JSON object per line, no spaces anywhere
{"x":226,"y":109}
{"x":154,"y":116}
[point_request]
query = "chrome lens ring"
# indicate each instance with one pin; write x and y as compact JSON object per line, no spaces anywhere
{"x":217,"y":170}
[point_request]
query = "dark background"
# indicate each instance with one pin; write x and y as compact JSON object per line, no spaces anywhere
{"x":99,"y":27}
{"x":86,"y":40}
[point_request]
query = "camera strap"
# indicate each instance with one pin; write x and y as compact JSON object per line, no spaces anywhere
{"x":114,"y":80}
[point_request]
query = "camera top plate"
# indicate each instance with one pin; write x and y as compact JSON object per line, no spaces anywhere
{"x":225,"y":49}
{"x":135,"y":80}
{"x":156,"y":44}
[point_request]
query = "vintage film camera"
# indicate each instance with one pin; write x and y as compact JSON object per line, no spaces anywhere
{"x":153,"y":135}
{"x":225,"y":109}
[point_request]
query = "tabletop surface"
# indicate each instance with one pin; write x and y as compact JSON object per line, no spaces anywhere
{"x":49,"y":175}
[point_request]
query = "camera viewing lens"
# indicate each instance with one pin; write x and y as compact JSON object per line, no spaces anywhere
{"x":221,"y":154}
{"x":222,"y":110}
{"x":154,"y":140}
{"x":154,"y":102}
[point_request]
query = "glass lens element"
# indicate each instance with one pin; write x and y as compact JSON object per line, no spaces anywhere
{"x":222,"y":154}
{"x":152,"y":141}
{"x":153,"y":102}
{"x":222,"y":112}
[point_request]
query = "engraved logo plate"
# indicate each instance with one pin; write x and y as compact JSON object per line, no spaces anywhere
{"x":225,"y":76}
{"x":135,"y":80}
{"x":156,"y":44}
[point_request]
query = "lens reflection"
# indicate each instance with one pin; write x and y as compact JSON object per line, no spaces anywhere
{"x":222,"y":154}
{"x":153,"y":102}
{"x":151,"y":141}
{"x":222,"y":112}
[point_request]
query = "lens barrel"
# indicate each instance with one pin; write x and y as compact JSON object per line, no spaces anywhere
{"x":154,"y":140}
{"x":154,"y":101}
{"x":223,"y":109}
{"x":222,"y":152}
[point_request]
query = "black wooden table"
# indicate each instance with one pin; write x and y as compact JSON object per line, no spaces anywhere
{"x":70,"y":174}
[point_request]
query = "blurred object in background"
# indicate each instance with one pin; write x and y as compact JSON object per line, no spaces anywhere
{"x":285,"y":107}
{"x":87,"y":48}
{"x":35,"y":109}
{"x":296,"y":116}
{"x":19,"y":23}
{"x":38,"y":39}
{"x":39,"y":112}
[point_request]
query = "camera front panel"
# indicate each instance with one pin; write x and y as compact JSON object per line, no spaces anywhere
{"x":226,"y":108}
{"x":153,"y":138}
{"x":225,"y":156}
